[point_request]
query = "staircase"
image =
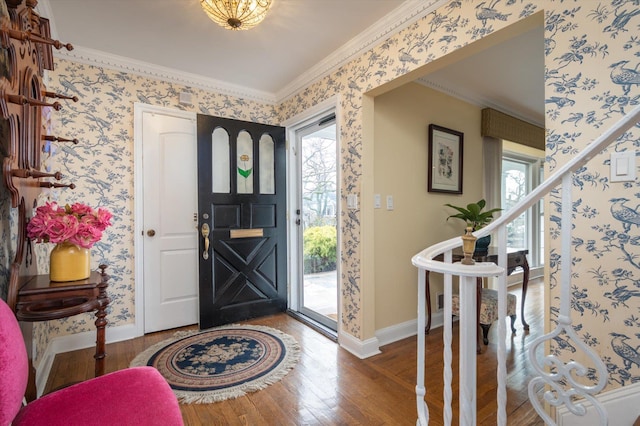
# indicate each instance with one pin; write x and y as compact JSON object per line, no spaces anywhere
{"x":556,"y":380}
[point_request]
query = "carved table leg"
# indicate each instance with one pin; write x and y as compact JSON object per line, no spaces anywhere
{"x":478,"y":305}
{"x":525,"y":283}
{"x":428,"y":297}
{"x":101,"y":323}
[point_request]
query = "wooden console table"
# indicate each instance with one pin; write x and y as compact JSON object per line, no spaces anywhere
{"x":516,"y":258}
{"x":39,"y":299}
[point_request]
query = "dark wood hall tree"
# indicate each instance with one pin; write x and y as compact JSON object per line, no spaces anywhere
{"x":25,"y":55}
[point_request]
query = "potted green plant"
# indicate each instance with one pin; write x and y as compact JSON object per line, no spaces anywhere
{"x":475,"y":218}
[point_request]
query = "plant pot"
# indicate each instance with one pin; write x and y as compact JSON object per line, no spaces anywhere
{"x":482,"y":245}
{"x":68,"y":262}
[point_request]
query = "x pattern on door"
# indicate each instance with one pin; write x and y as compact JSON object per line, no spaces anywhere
{"x":245,"y":274}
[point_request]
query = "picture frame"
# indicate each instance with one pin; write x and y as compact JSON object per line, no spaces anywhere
{"x":445,"y":160}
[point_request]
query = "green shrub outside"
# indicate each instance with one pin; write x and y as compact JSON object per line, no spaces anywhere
{"x":320,"y":249}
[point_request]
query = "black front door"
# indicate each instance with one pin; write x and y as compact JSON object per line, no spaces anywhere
{"x":242,"y":211}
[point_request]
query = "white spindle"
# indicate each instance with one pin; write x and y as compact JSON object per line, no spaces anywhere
{"x":502,"y":329}
{"x":423,"y":410}
{"x":565,"y":250}
{"x":468,"y":347}
{"x":447,"y":339}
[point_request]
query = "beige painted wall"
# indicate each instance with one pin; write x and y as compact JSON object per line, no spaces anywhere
{"x":418,"y":220}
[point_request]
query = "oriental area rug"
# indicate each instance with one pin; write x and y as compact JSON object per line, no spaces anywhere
{"x":223,"y":362}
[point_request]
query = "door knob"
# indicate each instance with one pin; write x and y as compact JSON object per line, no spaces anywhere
{"x":151,"y":232}
{"x":205,"y":234}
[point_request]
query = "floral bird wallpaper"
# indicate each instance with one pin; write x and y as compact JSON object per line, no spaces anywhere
{"x":592,"y":78}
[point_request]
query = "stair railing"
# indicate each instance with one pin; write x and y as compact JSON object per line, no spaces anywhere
{"x":557,"y":377}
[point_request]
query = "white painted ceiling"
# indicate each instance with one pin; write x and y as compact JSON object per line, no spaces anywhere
{"x":508,"y":77}
{"x":296,"y":36}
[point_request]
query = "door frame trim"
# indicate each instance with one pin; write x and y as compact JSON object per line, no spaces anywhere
{"x":138,"y":204}
{"x":293,"y":124}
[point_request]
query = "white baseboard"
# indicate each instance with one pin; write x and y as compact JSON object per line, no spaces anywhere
{"x":360,"y":348}
{"x":622,"y":405}
{"x":397,"y":332}
{"x":43,"y":369}
{"x":406,"y":329}
{"x":72,"y":342}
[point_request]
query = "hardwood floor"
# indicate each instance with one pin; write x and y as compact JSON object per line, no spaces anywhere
{"x":330,"y":386}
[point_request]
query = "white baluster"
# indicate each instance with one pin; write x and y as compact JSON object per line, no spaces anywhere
{"x":447,"y":340}
{"x":502,"y":329}
{"x":423,"y":410}
{"x":468,"y":350}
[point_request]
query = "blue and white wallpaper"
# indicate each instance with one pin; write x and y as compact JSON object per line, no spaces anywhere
{"x":592,"y":77}
{"x":101,"y":165}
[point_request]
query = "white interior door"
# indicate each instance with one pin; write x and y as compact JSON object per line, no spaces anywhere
{"x":170,"y":221}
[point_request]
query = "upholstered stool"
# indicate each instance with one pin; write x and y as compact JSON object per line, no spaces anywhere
{"x":489,"y":310}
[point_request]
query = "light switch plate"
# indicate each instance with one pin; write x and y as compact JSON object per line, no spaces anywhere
{"x":352,"y":201}
{"x":623,"y":166}
{"x":389,"y":202}
{"x":377,"y":201}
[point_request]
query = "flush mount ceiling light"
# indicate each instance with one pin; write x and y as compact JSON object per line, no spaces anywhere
{"x":236,"y":14}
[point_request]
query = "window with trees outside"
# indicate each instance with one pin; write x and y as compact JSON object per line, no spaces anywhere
{"x":520,"y":174}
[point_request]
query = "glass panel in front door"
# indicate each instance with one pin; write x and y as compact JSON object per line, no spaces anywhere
{"x":221,"y":178}
{"x":267,"y":165}
{"x":245,"y":163}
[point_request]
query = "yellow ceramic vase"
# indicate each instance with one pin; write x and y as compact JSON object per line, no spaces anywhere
{"x":69,"y":262}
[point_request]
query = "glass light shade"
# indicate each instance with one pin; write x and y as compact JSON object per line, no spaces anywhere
{"x":236,"y":14}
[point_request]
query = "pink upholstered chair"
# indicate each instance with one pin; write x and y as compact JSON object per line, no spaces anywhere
{"x":134,"y":396}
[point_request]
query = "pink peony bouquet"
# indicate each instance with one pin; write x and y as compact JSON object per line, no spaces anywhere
{"x":76,"y":224}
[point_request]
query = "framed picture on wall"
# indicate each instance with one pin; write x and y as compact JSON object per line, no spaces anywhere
{"x":445,"y":160}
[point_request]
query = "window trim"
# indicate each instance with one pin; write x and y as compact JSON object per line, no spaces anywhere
{"x":533,"y":167}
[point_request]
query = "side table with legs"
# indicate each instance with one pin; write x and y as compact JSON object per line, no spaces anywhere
{"x":515,"y":259}
{"x":40,"y":299}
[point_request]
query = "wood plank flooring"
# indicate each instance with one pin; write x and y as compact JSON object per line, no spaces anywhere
{"x":330,"y":386}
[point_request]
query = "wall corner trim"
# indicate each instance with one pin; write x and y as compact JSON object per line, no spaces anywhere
{"x":360,"y":348}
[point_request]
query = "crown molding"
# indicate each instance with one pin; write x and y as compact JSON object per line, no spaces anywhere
{"x":478,"y":101}
{"x":407,"y":13}
{"x":120,"y":63}
{"x":146,"y":69}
